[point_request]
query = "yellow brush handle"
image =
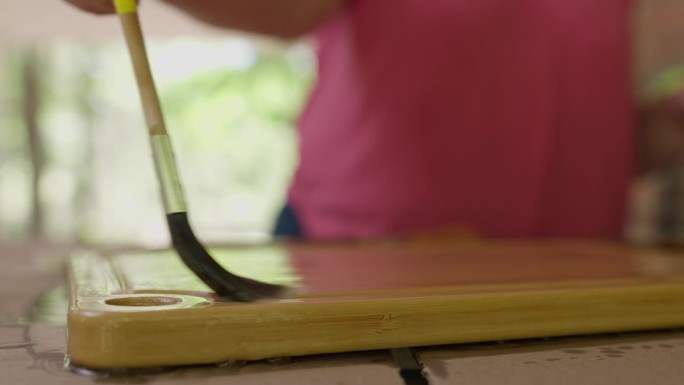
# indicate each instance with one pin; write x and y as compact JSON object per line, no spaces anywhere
{"x":126,"y":6}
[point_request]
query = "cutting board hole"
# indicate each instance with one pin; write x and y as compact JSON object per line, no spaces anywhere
{"x":144,"y":301}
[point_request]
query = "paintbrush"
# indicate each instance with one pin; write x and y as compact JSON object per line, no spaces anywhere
{"x":190,"y":250}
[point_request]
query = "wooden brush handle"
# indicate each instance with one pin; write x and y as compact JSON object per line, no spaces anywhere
{"x":162,"y":152}
{"x":127,"y":10}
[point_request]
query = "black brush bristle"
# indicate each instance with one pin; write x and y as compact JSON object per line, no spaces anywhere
{"x":227,"y":285}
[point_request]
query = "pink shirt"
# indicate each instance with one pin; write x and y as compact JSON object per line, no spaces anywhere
{"x":511,"y":117}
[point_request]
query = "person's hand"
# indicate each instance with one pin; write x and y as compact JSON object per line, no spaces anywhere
{"x":99,"y":7}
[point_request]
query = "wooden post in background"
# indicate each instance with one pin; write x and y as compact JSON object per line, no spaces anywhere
{"x":31,"y":81}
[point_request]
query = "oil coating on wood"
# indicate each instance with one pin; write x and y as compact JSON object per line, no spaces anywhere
{"x":141,"y":309}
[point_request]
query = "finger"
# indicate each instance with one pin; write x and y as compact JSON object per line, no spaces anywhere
{"x":99,"y":7}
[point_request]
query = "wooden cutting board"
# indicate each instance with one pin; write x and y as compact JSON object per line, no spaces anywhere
{"x":144,"y":308}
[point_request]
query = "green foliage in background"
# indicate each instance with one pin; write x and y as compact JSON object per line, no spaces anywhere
{"x":244,"y":117}
{"x":233,"y":132}
{"x":230,"y":108}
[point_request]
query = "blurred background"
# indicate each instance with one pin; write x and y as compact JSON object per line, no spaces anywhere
{"x":74,"y":155}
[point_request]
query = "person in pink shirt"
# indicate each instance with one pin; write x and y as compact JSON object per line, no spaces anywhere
{"x":512,"y":118}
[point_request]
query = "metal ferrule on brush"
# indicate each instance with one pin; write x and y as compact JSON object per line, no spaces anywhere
{"x":165,"y":162}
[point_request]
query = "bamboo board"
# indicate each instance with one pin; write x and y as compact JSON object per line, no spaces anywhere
{"x":144,"y":308}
